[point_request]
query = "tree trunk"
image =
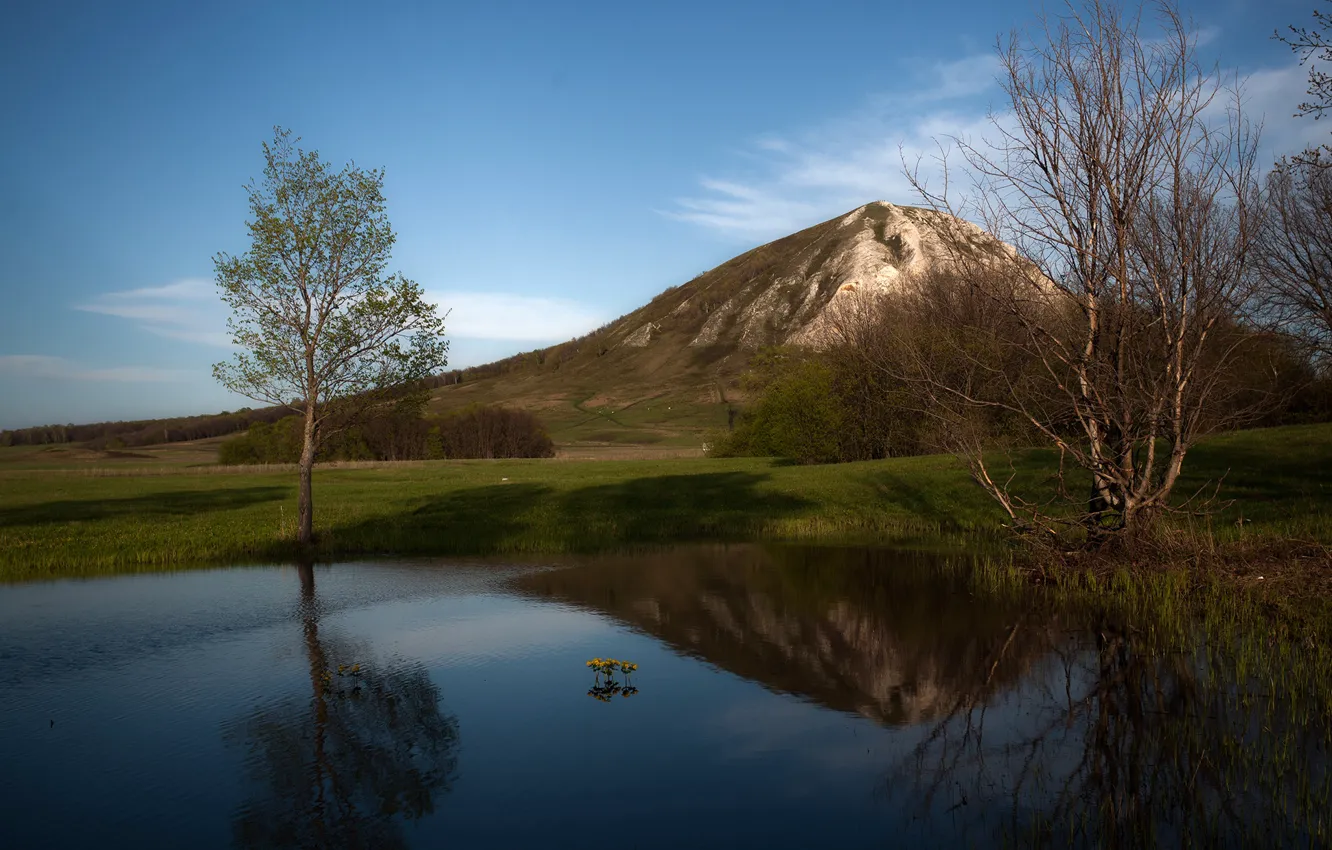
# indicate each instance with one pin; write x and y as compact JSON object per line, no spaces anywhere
{"x":1097,"y":507}
{"x":305,"y":503}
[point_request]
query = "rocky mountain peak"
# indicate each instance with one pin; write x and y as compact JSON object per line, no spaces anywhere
{"x":781,"y":292}
{"x":675,"y":362}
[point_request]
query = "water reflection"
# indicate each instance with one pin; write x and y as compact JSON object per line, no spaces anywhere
{"x":890,"y":636}
{"x":367,"y":751}
{"x":1036,"y":723}
{"x":605,"y":685}
{"x":1131,"y":743}
{"x":792,"y":697}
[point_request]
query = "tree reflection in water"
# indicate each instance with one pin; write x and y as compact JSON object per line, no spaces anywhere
{"x":1129,"y":743}
{"x":348,"y":766}
{"x":1038,"y":723}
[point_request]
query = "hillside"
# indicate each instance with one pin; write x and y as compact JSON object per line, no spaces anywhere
{"x":666,"y":373}
{"x":651,"y":383}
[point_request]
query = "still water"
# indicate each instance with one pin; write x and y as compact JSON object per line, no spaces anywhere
{"x":784,"y":697}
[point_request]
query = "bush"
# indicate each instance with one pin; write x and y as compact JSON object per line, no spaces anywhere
{"x":825,"y":407}
{"x":264,"y":442}
{"x":798,"y":416}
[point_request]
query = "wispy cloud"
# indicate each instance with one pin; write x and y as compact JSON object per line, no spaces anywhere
{"x":48,"y":368}
{"x":190,"y":310}
{"x":960,"y":78}
{"x":785,"y":182}
{"x":506,"y":316}
{"x":798,"y":179}
{"x":187,"y":310}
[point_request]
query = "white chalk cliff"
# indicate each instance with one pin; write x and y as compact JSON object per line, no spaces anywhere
{"x":785,"y":291}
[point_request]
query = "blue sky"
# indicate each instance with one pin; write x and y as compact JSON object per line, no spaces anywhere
{"x":550,"y":166}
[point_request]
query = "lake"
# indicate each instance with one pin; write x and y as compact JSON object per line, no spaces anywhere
{"x":784,"y":696}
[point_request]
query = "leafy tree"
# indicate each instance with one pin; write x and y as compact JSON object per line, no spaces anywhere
{"x":321,"y":329}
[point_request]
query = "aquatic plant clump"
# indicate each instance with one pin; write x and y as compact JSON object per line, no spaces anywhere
{"x":604,"y":684}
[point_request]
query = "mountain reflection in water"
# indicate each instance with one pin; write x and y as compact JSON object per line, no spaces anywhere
{"x":1040,"y":724}
{"x":890,"y":636}
{"x":785,"y":696}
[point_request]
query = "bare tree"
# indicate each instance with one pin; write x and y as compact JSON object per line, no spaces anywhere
{"x":1296,"y":253}
{"x":946,"y":344}
{"x":321,"y":330}
{"x":1123,"y":177}
{"x":1313,"y":43}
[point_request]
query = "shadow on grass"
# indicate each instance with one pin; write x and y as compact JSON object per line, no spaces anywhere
{"x":153,"y":504}
{"x":954,"y":503}
{"x":475,"y":520}
{"x":1281,"y":468}
{"x":532,"y":517}
{"x":1265,"y":475}
{"x":713,"y":504}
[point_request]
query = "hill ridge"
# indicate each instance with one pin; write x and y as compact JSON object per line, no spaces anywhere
{"x":688,"y":345}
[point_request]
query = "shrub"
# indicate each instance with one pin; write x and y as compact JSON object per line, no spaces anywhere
{"x":264,"y":442}
{"x":823,"y":407}
{"x":797,"y":415}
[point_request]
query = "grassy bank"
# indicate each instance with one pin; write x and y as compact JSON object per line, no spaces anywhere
{"x":86,"y":520}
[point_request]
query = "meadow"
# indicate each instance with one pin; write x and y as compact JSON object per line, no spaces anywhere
{"x":65,"y":514}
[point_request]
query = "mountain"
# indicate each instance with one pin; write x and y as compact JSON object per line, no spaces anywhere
{"x":658,"y":379}
{"x":667,"y":372}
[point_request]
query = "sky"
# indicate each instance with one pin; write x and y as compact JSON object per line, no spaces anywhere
{"x":549,"y":166}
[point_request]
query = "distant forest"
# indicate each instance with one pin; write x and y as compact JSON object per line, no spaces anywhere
{"x":152,"y":432}
{"x":144,"y":432}
{"x":479,"y":431}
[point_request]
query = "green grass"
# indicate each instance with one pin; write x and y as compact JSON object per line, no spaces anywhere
{"x":194,"y":453}
{"x":60,"y":524}
{"x":85,"y":521}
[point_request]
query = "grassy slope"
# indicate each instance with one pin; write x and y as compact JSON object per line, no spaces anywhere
{"x":82,"y":521}
{"x":598,"y":390}
{"x":75,"y":456}
{"x":597,"y":409}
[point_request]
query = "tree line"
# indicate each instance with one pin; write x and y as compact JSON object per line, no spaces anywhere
{"x":400,"y":433}
{"x":831,"y":406}
{"x":146,"y":432}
